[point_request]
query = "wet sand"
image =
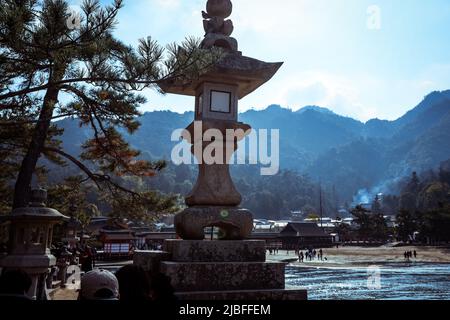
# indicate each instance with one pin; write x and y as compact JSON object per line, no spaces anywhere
{"x":363,"y":256}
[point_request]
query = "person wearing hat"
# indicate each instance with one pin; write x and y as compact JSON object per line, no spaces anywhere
{"x":99,"y":285}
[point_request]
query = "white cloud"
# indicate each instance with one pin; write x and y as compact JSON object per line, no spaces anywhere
{"x":335,"y":92}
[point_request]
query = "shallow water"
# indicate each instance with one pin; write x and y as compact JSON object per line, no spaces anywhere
{"x":418,"y":281}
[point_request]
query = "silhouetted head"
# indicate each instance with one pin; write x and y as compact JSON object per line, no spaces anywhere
{"x":15,"y":282}
{"x":161,"y":289}
{"x":134,"y":284}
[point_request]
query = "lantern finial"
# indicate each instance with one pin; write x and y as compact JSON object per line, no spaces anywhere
{"x":218,"y":30}
{"x":38,"y":197}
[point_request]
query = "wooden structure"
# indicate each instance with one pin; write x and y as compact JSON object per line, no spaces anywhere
{"x":116,"y":244}
{"x":300,"y":235}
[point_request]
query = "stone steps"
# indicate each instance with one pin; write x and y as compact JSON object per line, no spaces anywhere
{"x":219,"y":270}
{"x":245,"y":295}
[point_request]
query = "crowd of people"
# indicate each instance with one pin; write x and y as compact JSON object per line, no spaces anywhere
{"x":310,"y":255}
{"x":129,"y":284}
{"x":83,"y":255}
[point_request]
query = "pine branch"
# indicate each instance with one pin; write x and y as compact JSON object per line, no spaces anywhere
{"x":98,"y":179}
{"x":20,"y":123}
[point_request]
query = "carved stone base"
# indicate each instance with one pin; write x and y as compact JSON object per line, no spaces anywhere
{"x":235,"y":223}
{"x":215,"y":251}
{"x":220,"y":270}
{"x":225,"y":276}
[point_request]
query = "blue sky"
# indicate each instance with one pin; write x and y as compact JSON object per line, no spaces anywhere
{"x":332,"y":58}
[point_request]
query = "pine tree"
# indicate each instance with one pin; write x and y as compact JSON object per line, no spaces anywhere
{"x":363,"y":219}
{"x":54,"y":66}
{"x":376,"y":205}
{"x":407,"y":225}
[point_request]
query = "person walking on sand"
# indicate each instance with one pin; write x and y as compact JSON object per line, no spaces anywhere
{"x":408,"y":255}
{"x":415,"y":254}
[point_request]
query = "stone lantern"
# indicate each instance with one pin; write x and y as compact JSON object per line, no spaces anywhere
{"x":214,"y":202}
{"x":236,"y":267}
{"x":31,"y":233}
{"x":72,"y":227}
{"x":63,"y":263}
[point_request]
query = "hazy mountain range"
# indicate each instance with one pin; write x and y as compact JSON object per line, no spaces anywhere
{"x":340,"y":151}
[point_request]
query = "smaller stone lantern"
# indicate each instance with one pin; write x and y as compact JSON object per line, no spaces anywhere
{"x":72,"y":227}
{"x":31,"y":233}
{"x":63,"y":263}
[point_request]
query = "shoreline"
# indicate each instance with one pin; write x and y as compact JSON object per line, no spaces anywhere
{"x":354,"y":257}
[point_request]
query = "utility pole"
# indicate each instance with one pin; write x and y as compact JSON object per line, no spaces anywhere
{"x":321,"y":205}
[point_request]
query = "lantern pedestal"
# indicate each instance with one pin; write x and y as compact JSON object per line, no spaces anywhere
{"x":37,"y":267}
{"x":220,"y":270}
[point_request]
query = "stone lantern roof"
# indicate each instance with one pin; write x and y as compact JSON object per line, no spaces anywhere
{"x":248,"y":73}
{"x":37,"y":210}
{"x":234,"y":68}
{"x":42,"y":213}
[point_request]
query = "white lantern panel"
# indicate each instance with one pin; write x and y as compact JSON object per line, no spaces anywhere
{"x":220,"y":101}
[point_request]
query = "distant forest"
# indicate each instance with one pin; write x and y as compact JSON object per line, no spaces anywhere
{"x":422,"y":211}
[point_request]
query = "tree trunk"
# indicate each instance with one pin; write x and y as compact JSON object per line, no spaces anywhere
{"x":23,"y":184}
